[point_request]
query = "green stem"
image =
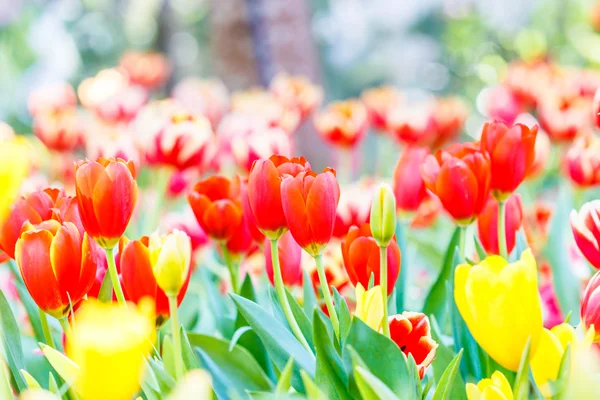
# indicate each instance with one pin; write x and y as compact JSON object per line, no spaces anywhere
{"x":46,"y":330}
{"x":64,"y":323}
{"x":502,"y":230}
{"x":461,"y":243}
{"x":232,"y":267}
{"x":114,"y":276}
{"x":344,"y":166}
{"x":383,"y":281}
{"x":327,"y":295}
{"x":283,"y":300}
{"x":176,"y":339}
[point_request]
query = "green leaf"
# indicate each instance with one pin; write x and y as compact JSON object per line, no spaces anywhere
{"x":32,"y":310}
{"x":31,"y":382}
{"x":559,"y":387}
{"x":168,"y":355}
{"x":63,"y":365}
{"x":274,"y":396}
{"x":9,"y":332}
{"x":481,"y":253}
{"x":381,"y":356}
{"x":448,"y":380}
{"x":312,"y":390}
{"x":52,"y":385}
{"x":237,"y":335}
{"x":443,"y":357}
{"x":190,"y":361}
{"x":235,"y":371}
{"x":371,"y":283}
{"x":165,"y":381}
{"x":414,"y":375}
{"x":279,"y":342}
{"x":106,"y":289}
{"x":309,"y":297}
{"x":343,"y":313}
{"x":330,"y":375}
{"x":370,"y":387}
{"x":566,"y":284}
{"x":400,"y":287}
{"x":436,"y":300}
{"x":301,"y":319}
{"x":283,"y":385}
{"x":521,"y":385}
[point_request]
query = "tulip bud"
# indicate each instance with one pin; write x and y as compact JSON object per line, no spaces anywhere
{"x":170,"y":256}
{"x":383,"y":215}
{"x":496,"y":387}
{"x":369,"y":306}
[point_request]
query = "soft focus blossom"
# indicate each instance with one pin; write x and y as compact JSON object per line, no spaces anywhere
{"x":412,"y":333}
{"x":266,"y":105}
{"x":590,"y":306}
{"x":495,"y":388}
{"x":380,"y":101}
{"x":111,"y":141}
{"x":354,"y":207}
{"x":585,"y":225}
{"x":207,"y":97}
{"x":149,"y":70}
{"x":290,"y":260}
{"x":501,"y":306}
{"x":297,"y":92}
{"x":487,"y":223}
{"x":408,"y":184}
{"x":449,"y":115}
{"x":582,"y":161}
{"x":412,"y":124}
{"x":60,"y":131}
{"x":123,"y":105}
{"x":259,"y":144}
{"x":564,"y":118}
{"x":342,"y":123}
{"x":51,"y":99}
{"x":93,"y":91}
{"x":502,"y":104}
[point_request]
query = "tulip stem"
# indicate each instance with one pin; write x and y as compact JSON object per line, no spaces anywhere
{"x":64,"y":323}
{"x":461,"y":242}
{"x":383,"y":281}
{"x":502,"y":229}
{"x":232,"y":267}
{"x":176,"y":338}
{"x":283,"y":300}
{"x":114,"y":276}
{"x":46,"y":329}
{"x":327,"y":295}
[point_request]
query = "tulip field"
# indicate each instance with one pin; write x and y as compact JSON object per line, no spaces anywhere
{"x":178,"y":244}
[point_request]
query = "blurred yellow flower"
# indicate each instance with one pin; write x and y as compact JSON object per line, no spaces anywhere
{"x":545,"y":363}
{"x":494,"y":388}
{"x":196,"y":384}
{"x":109,"y":343}
{"x":501,"y":306}
{"x":14,"y":167}
{"x":170,"y":256}
{"x":369,"y":306}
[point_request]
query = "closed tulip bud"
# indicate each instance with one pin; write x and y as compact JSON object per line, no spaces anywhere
{"x":412,"y":333}
{"x":590,"y":306}
{"x":369,"y":306}
{"x":501,"y":306}
{"x":585,"y":225}
{"x":58,"y":266}
{"x":170,"y":256}
{"x":383,"y":215}
{"x":495,"y":388}
{"x":109,"y":343}
{"x":487,"y":223}
{"x":107,"y":195}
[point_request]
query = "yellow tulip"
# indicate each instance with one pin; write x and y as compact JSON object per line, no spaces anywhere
{"x":501,"y":306}
{"x":369,"y":306}
{"x":109,"y":343}
{"x":545,"y":363}
{"x":170,"y":256}
{"x":14,"y":167}
{"x":494,"y":388}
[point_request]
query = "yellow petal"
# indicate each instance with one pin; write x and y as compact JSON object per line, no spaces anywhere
{"x":546,"y":361}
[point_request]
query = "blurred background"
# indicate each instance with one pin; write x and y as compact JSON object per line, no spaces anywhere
{"x":423,"y":47}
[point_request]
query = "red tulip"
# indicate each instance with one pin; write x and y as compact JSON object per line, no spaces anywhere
{"x":409,"y":188}
{"x":264,"y":192}
{"x":361,"y":258}
{"x":590,"y":306}
{"x":297,"y":92}
{"x":216,"y":207}
{"x":60,"y":131}
{"x":411,"y":332}
{"x":449,"y":116}
{"x":596,"y":103}
{"x":107,"y":195}
{"x":460,"y":178}
{"x":487,"y":223}
{"x":582,"y":161}
{"x":412,"y":124}
{"x":138,"y":279}
{"x":249,"y":219}
{"x":511,"y":151}
{"x":149,"y":70}
{"x":564,"y":118}
{"x":343,"y":123}
{"x":354,"y":208}
{"x":52,"y":99}
{"x":586,"y":230}
{"x":502,"y":104}
{"x":309,"y":203}
{"x":37,"y":209}
{"x":58,"y":266}
{"x":290,"y":260}
{"x":379,"y":101}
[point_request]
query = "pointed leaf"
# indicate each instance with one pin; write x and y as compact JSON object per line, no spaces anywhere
{"x":190,"y":361}
{"x":12,"y":343}
{"x":168,"y":355}
{"x":481,"y":253}
{"x":448,"y":380}
{"x":521,"y":385}
{"x":31,"y":309}
{"x":370,"y":387}
{"x":443,"y":357}
{"x":52,"y":385}
{"x":31,"y":382}
{"x":309,"y":297}
{"x":63,"y":365}
{"x":312,"y":390}
{"x":165,"y":381}
{"x":283,"y":385}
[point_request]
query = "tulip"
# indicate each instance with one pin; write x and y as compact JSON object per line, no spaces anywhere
{"x":546,"y":361}
{"x":564,"y":118}
{"x":265,"y":105}
{"x":502,"y":104}
{"x":369,"y":306}
{"x":362,"y":259}
{"x":248,"y":215}
{"x":383,"y":215}
{"x":58,"y":266}
{"x":342,"y":123}
{"x":123,"y":105}
{"x":259,"y":144}
{"x":52,"y":99}
{"x":207,"y":97}
{"x":309,"y":203}
{"x":139,"y":281}
{"x":408,"y":184}
{"x":511,"y":151}
{"x":290,"y":260}
{"x":60,"y":131}
{"x":501,"y":306}
{"x":585,"y":225}
{"x":14,"y":167}
{"x":487,"y":224}
{"x":590,"y":306}
{"x":494,"y":388}
{"x":412,"y":124}
{"x":149,"y":69}
{"x":297,"y":92}
{"x":217,"y":210}
{"x":582,"y":161}
{"x":264,"y":192}
{"x":354,"y":207}
{"x":106,"y":195}
{"x":460,"y":178}
{"x":449,"y":115}
{"x":412,"y":333}
{"x":109,"y":344}
{"x":379,"y":102}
